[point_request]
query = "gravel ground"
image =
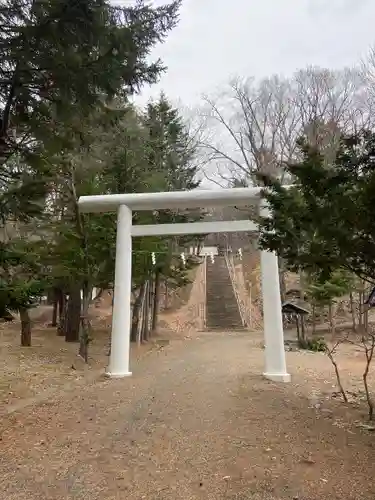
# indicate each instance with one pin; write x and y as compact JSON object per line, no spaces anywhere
{"x":196,"y":421}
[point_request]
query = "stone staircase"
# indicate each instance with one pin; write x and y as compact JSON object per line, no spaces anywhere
{"x":222,"y":311}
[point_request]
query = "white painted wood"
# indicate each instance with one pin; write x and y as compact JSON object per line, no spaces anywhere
{"x":125,"y":203}
{"x":171,"y":199}
{"x":275,"y":363}
{"x":121,"y":317}
{"x":232,"y":226}
{"x":207,"y":251}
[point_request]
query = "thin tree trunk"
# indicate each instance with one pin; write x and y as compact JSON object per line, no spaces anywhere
{"x":331,"y":319}
{"x":156,"y":300}
{"x":25,"y":327}
{"x":360,"y":309}
{"x":365,"y":319}
{"x":338,"y":378}
{"x":166,"y":295}
{"x":84,"y":336}
{"x":62,"y":314}
{"x":282,"y":279}
{"x":57,"y":303}
{"x":313,"y":318}
{"x":367,"y":391}
{"x":138,"y":333}
{"x":145,"y":312}
{"x":54,"y":312}
{"x":302,"y":285}
{"x":298,"y":332}
{"x":136,"y":314}
{"x":151,"y":304}
{"x":352,"y":311}
{"x":73,"y":318}
{"x":303,"y":328}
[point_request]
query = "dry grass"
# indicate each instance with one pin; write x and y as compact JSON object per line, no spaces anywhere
{"x":50,"y":365}
{"x":196,"y":421}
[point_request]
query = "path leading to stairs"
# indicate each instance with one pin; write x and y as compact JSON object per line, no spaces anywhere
{"x":196,"y":421}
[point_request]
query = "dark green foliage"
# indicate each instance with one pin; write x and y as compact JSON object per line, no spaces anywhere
{"x":60,"y":55}
{"x":171,"y":150}
{"x":326,"y":221}
{"x":323,"y":292}
{"x":170,"y":156}
{"x":315,"y":344}
{"x":64,"y":67}
{"x":23,"y":277}
{"x":116,"y":158}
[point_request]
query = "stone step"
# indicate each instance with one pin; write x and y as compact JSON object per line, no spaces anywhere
{"x":221,"y":305}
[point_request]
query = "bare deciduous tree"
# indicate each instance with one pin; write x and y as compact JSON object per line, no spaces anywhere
{"x":331,"y":352}
{"x":253,"y":126}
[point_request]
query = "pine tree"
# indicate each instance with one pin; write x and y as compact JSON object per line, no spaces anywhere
{"x":171,"y":155}
{"x":62,"y":61}
{"x":23,"y":279}
{"x":57,"y":56}
{"x":325,"y":222}
{"x":324,"y":293}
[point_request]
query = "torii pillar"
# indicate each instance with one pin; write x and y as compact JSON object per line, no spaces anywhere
{"x":275,"y":363}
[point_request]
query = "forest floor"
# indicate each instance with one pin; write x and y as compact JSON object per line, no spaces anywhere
{"x":195,"y":421}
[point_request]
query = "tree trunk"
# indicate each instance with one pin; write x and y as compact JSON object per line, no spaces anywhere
{"x":166,"y":302}
{"x":297,"y":326}
{"x":156,"y":300}
{"x":57,"y":302}
{"x":62,"y":314}
{"x":151,"y":306}
{"x":365,"y":319}
{"x":282,"y":279}
{"x":313,"y":318}
{"x":352,"y":311}
{"x":145,"y":314}
{"x":141,"y":309}
{"x":25,"y":327}
{"x":360,"y":309}
{"x":303,"y":333}
{"x":330,"y":354}
{"x":73,"y":316}
{"x":331,"y":319}
{"x":84,"y":336}
{"x":301,"y":285}
{"x":54,"y":312}
{"x":136,"y":314}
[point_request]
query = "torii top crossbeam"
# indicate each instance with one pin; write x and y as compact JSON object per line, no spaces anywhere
{"x":171,"y":199}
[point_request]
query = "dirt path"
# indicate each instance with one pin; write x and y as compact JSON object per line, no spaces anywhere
{"x":196,"y":421}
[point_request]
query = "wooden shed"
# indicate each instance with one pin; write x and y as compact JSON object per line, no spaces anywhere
{"x":299,"y":313}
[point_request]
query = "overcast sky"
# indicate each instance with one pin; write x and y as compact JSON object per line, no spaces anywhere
{"x":217,"y":39}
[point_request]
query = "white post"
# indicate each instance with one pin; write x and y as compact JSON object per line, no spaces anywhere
{"x":121,"y":315}
{"x":275,"y":364}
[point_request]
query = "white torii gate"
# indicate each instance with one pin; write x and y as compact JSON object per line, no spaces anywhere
{"x":275,"y":365}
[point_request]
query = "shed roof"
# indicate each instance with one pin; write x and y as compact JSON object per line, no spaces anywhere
{"x":292,"y":307}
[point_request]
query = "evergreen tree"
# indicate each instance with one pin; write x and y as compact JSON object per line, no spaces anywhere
{"x":170,"y":153}
{"x":326,"y":222}
{"x":23,"y":279}
{"x":60,"y":56}
{"x":324,"y":293}
{"x":62,"y":61}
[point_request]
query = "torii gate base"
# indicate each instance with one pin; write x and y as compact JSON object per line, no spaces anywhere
{"x":275,"y":364}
